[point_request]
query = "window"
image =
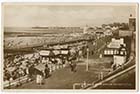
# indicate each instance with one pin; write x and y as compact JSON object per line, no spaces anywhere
{"x":111,"y":52}
{"x":105,"y":52}
{"x":121,"y":52}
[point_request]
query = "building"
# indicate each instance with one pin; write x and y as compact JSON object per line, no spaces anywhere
{"x":124,"y":33}
{"x":132,"y":28}
{"x":99,"y":33}
{"x":114,"y":46}
{"x":108,"y":32}
{"x":119,"y":60}
{"x":132,"y":23}
{"x":117,"y":49}
{"x":121,"y":57}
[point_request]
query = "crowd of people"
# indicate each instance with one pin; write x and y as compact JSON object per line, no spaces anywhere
{"x":36,"y":67}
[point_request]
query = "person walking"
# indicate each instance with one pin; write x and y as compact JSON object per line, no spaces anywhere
{"x":73,"y":66}
{"x":47,"y":71}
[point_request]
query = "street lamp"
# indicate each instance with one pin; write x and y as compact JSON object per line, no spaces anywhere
{"x":87,"y":59}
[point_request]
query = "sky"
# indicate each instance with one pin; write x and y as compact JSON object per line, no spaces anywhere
{"x":30,"y":15}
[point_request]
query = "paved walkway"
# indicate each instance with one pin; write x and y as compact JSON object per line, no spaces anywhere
{"x":64,"y":78}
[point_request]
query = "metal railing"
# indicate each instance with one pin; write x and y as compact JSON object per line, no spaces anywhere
{"x":130,"y":64}
{"x":18,"y":81}
{"x":24,"y":79}
{"x":123,"y":69}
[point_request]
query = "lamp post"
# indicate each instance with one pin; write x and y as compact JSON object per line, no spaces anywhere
{"x":87,"y":59}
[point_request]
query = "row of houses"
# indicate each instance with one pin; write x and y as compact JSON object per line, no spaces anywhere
{"x":122,"y":46}
{"x":98,"y":31}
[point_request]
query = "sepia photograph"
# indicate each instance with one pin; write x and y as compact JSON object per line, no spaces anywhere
{"x":69,"y":46}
